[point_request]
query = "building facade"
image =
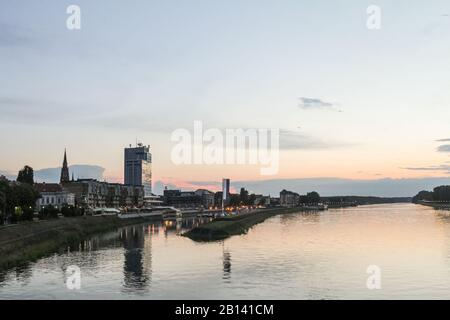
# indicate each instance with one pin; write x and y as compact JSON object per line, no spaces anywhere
{"x":53,"y":194}
{"x":289,"y":199}
{"x":90,"y":193}
{"x":225,"y":192}
{"x":207,"y":197}
{"x":138,"y":168}
{"x":182,"y":199}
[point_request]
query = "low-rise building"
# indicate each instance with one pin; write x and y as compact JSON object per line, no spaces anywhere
{"x":53,"y":194}
{"x":289,"y":199}
{"x":182,"y":199}
{"x":207,"y":197}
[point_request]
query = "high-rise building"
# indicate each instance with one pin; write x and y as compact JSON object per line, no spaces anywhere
{"x":225,"y":191}
{"x":138,"y":167}
{"x":64,"y":170}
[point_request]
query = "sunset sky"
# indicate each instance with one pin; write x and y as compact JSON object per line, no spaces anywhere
{"x":350,"y":102}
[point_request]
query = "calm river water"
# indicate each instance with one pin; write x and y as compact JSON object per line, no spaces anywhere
{"x":294,"y":256}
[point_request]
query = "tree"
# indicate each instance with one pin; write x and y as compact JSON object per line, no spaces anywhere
{"x":441,"y":193}
{"x":70,"y":211}
{"x":423,"y":195}
{"x":313,"y":197}
{"x":262,"y":202}
{"x":17,"y":201}
{"x":17,"y":215}
{"x":26,"y":175}
{"x":48,"y":212}
{"x":25,"y":195}
{"x":243,"y":196}
{"x":251,"y":199}
{"x":2,"y":207}
{"x":234,"y":200}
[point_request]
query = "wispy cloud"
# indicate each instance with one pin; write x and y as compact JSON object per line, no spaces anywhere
{"x":438,"y":168}
{"x":443,"y":140}
{"x":24,"y":110}
{"x":444,"y":148}
{"x":313,"y":103}
{"x":13,"y":36}
{"x":292,"y":140}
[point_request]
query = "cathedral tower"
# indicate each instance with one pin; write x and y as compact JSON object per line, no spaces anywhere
{"x":65,"y":170}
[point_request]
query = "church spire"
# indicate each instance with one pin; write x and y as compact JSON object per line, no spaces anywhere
{"x":65,"y":170}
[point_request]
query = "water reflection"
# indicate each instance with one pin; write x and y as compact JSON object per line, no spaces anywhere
{"x":226,"y":257}
{"x":307,"y":216}
{"x":305,"y":255}
{"x":137,"y":244}
{"x":137,"y":258}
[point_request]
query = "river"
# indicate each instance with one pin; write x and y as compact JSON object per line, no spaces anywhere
{"x":293,"y":256}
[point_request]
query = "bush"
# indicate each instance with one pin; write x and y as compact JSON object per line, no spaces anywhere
{"x":48,"y":212}
{"x":17,"y":215}
{"x":70,"y":211}
{"x":27,"y":214}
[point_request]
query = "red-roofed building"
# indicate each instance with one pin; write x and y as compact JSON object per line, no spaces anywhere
{"x":53,"y":194}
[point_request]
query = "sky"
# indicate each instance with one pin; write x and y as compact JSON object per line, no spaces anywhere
{"x":350,"y":103}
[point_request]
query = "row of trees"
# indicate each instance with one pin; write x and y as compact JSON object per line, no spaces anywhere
{"x":310,"y":198}
{"x":441,"y":193}
{"x":244,"y":198}
{"x":18,"y":200}
{"x":50,"y":212}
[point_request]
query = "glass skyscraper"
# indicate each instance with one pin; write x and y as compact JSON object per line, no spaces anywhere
{"x":138,"y":168}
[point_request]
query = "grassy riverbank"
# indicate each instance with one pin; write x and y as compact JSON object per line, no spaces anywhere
{"x":30,"y":241}
{"x":222,"y":228}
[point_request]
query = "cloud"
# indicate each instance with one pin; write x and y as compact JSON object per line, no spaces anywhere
{"x":13,"y":36}
{"x":442,"y":167}
{"x":291,"y":140}
{"x":312,"y":103}
{"x":37,"y":110}
{"x":9,"y":174}
{"x":31,"y":110}
{"x":443,"y":140}
{"x":82,"y":171}
{"x":444,"y":148}
{"x":52,"y":175}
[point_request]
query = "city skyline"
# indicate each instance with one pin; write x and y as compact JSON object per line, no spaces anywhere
{"x":351,"y":103}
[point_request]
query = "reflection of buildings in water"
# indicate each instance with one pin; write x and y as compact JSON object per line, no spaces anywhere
{"x":88,"y":250}
{"x":306,"y":216}
{"x":172,"y":226}
{"x":137,"y":258}
{"x":192,"y":222}
{"x":226,"y":257}
{"x":22,"y":275}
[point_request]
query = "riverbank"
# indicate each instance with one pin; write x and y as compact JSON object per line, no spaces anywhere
{"x":435,"y":204}
{"x":222,"y":228}
{"x":30,"y":241}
